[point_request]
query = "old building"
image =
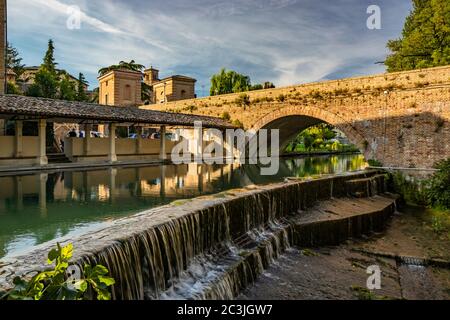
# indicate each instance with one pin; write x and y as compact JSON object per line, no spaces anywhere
{"x":120,"y":88}
{"x":124,"y":87}
{"x":173,"y":88}
{"x":26,"y":79}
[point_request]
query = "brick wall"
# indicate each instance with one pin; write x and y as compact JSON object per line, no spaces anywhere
{"x":401,"y":119}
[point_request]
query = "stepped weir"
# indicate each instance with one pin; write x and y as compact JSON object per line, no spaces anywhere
{"x":214,"y":247}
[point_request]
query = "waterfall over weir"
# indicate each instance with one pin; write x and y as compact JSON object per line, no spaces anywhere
{"x":206,"y":248}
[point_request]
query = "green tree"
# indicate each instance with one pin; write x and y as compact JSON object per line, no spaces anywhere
{"x":229,"y":82}
{"x":425,"y":40}
{"x":66,"y":88}
{"x":268,"y":85}
{"x":45,"y":85}
{"x":49,"y":64}
{"x":146,"y":93}
{"x":11,"y":88}
{"x":46,"y":81}
{"x":81,"y":92}
{"x":13,"y":60}
{"x":95,"y":95}
{"x":123,"y":65}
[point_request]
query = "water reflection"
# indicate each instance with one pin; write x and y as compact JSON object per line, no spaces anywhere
{"x":38,"y":208}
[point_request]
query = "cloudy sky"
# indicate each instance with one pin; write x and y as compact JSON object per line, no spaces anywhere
{"x":283,"y":41}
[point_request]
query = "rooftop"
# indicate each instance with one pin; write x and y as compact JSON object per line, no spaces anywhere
{"x":30,"y":108}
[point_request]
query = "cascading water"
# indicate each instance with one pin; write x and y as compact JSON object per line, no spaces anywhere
{"x":214,"y":252}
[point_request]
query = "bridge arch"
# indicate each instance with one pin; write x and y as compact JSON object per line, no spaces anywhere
{"x":291,"y":120}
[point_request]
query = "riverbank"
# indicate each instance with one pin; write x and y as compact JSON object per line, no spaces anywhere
{"x":318,"y":153}
{"x":413,"y":257}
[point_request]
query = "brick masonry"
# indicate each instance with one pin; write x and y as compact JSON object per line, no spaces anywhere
{"x":401,"y":119}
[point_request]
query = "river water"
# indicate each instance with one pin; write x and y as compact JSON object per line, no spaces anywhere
{"x":37,"y":208}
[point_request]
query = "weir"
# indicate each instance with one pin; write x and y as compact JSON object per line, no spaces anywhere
{"x":214,"y":247}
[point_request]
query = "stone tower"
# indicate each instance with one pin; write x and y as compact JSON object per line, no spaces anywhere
{"x":151,"y":76}
{"x":2,"y":46}
{"x":120,"y":88}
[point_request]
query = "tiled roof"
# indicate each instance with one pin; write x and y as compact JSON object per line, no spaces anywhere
{"x":12,"y":105}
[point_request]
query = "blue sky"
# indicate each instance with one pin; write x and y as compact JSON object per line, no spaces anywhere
{"x":283,"y":41}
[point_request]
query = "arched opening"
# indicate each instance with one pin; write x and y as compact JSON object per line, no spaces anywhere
{"x":294,"y":120}
{"x":333,"y":146}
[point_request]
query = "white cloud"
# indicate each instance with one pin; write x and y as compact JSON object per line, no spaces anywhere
{"x":284,"y":41}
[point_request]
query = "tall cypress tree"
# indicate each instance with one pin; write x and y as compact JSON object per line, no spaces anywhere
{"x":425,"y":40}
{"x":49,"y":63}
{"x":81,"y":93}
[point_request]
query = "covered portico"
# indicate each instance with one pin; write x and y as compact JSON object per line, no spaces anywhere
{"x":19,"y":150}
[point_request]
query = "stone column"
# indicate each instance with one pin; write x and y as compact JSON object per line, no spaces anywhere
{"x":200,"y":177}
{"x":87,"y":139}
{"x":19,"y":139}
{"x":139,"y":141}
{"x":162,"y":190}
{"x":42,"y":152}
{"x":198,"y":140}
{"x":112,"y":157}
{"x":162,"y":146}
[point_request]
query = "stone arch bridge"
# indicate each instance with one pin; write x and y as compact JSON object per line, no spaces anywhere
{"x":400,"y":119}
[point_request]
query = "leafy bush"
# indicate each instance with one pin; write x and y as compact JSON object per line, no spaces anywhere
{"x":438,"y":191}
{"x":413,"y":191}
{"x":374,"y":163}
{"x":57,"y":284}
{"x":238,"y":124}
{"x":226,"y":116}
{"x":281,"y":98}
{"x":243,"y":100}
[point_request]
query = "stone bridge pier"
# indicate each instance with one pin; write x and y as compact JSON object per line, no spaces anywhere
{"x":400,"y":119}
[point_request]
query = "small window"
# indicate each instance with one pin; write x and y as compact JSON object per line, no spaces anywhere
{"x":106,"y":99}
{"x":183,"y":93}
{"x":127,"y":93}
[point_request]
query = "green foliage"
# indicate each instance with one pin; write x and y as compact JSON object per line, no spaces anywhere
{"x":226,"y":116}
{"x":49,"y":63}
{"x":438,"y":191}
{"x":374,"y":163}
{"x":95,"y":95}
{"x":13,"y":60}
{"x":269,"y":85}
{"x":81,"y":93}
{"x":146,"y":93}
{"x":281,"y":98}
{"x":437,"y":224}
{"x":229,"y":82}
{"x":243,"y":100}
{"x":413,"y":191}
{"x":56,"y":285}
{"x":67,"y":90}
{"x":320,"y":138}
{"x":11,"y":88}
{"x":123,"y":65}
{"x":425,"y":40}
{"x":238,"y":124}
{"x":45,"y":85}
{"x":256,"y":87}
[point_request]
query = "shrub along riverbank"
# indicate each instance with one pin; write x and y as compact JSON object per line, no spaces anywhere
{"x":432,"y":193}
